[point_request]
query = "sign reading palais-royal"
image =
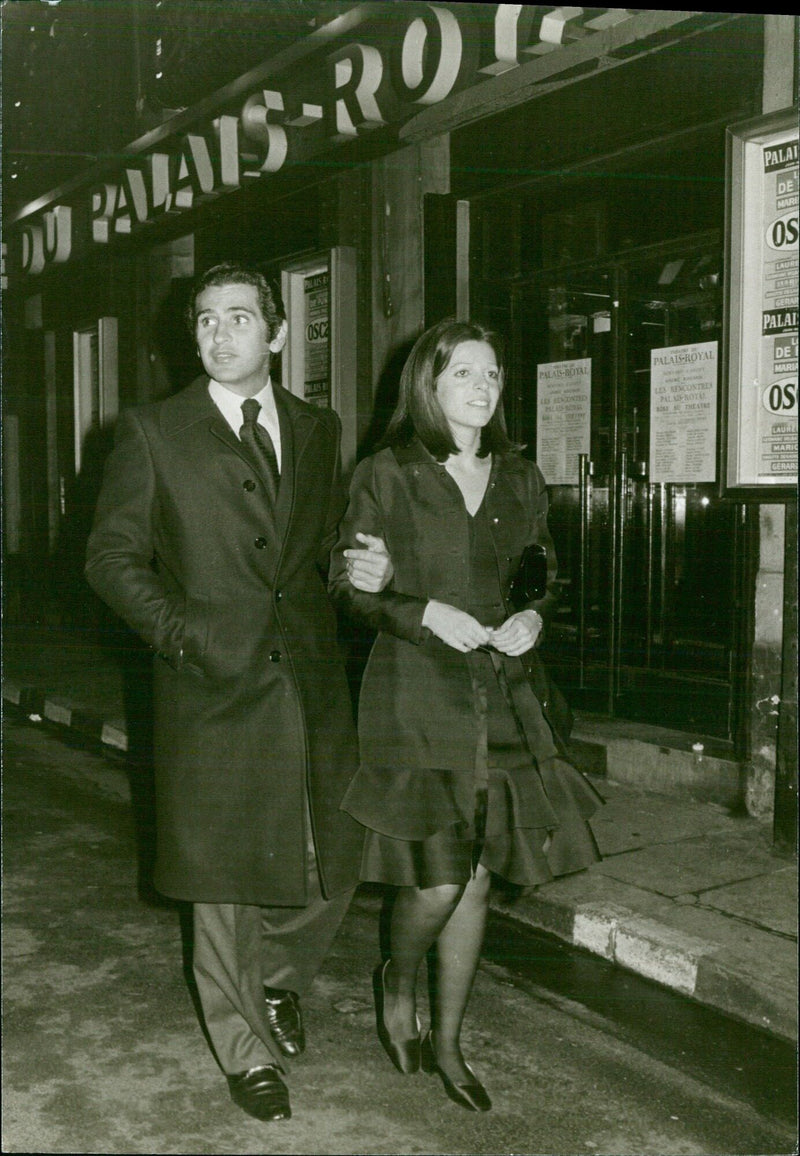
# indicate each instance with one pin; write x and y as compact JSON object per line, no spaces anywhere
{"x":413,"y":57}
{"x":563,"y":418}
{"x":764,"y":259}
{"x":683,"y":413}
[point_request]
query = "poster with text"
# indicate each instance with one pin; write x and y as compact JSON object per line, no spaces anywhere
{"x":776,"y":425}
{"x":563,"y":418}
{"x":683,"y":413}
{"x":317,"y":374}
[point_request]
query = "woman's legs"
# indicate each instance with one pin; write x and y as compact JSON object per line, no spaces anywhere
{"x":458,"y":950}
{"x":454,"y":918}
{"x":418,"y":917}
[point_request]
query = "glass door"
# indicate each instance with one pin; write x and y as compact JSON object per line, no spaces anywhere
{"x":679,"y":541}
{"x":647,"y":551}
{"x":559,"y":325}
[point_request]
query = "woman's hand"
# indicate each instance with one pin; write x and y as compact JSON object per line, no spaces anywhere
{"x":455,"y":627}
{"x":371,"y":569}
{"x":518,"y":633}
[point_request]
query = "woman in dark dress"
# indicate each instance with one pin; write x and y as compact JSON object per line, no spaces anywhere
{"x":461,"y":775}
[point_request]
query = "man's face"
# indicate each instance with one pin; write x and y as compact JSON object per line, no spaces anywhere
{"x":233,"y":337}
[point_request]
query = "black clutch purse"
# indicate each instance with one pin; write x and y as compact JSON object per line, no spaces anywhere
{"x":530,"y":581}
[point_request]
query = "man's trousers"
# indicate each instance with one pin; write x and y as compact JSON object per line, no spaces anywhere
{"x":238,"y":949}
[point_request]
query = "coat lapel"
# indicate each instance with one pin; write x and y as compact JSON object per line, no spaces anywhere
{"x":297,"y":423}
{"x":221,"y":430}
{"x":193,"y":407}
{"x":285,"y":502}
{"x":429,"y":483}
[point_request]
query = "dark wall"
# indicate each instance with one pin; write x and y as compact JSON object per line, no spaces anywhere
{"x":703,"y":78}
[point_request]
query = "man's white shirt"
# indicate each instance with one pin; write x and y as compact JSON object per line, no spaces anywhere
{"x":230,"y":406}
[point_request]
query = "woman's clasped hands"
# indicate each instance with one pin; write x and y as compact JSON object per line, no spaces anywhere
{"x":518,"y":633}
{"x":460,"y":630}
{"x":455,"y":627}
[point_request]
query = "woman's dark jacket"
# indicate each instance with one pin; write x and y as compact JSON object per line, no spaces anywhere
{"x":417,"y":708}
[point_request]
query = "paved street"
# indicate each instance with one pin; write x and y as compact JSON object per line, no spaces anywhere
{"x":102,"y":1051}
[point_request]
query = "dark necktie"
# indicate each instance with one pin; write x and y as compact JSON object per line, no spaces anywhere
{"x":257,"y":440}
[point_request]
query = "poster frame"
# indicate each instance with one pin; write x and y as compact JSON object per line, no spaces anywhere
{"x":586,"y":419}
{"x":95,"y":369}
{"x":743,"y":215}
{"x":340,"y":262}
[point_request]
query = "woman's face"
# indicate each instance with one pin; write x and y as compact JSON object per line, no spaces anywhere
{"x":468,"y":388}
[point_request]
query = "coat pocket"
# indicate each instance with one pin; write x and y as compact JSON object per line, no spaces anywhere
{"x":195,"y":634}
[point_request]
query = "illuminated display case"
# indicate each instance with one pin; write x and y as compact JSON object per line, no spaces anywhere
{"x":759,"y":412}
{"x":319,"y":359}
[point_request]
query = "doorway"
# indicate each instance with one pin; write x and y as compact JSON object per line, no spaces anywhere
{"x":650,"y":557}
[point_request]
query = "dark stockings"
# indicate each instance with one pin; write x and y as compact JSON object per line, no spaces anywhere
{"x":454,"y":919}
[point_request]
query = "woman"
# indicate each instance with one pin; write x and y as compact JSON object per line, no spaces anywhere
{"x":460,"y":774}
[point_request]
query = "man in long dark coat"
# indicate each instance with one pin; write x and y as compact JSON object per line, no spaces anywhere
{"x":211,"y":539}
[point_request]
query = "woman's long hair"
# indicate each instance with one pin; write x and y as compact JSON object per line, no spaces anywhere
{"x":418,"y":411}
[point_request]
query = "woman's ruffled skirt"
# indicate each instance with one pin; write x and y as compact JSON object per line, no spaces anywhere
{"x":521,"y":811}
{"x":529,"y":833}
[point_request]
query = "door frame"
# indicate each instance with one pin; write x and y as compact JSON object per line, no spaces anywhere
{"x":617,"y":266}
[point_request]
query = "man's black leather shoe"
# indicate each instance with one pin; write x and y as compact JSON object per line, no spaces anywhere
{"x":261,"y":1093}
{"x":285,"y":1020}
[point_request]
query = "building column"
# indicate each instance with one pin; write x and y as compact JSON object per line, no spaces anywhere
{"x":400,"y":182}
{"x":779,"y":87}
{"x":766,"y":664}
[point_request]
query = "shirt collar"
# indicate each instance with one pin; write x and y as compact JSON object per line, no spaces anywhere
{"x":230,"y":404}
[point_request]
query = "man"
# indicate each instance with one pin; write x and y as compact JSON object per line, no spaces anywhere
{"x":218,"y":510}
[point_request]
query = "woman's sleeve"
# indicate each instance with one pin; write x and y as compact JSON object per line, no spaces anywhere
{"x":389,"y":611}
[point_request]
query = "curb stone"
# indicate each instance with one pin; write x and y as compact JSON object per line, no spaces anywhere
{"x":659,"y":953}
{"x":37,"y":706}
{"x":684,"y":963}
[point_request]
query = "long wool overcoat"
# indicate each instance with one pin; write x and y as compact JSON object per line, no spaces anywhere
{"x":417,"y":705}
{"x":251,"y":699}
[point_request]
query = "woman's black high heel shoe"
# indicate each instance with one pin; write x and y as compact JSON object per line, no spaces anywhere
{"x":472,"y":1096}
{"x":405,"y":1055}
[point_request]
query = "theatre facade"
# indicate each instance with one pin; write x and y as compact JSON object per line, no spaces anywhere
{"x":616,"y":191}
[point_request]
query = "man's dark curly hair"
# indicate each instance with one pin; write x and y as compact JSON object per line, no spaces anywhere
{"x":235,"y":273}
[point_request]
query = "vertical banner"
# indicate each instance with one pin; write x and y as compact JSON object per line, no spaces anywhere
{"x":776,"y":439}
{"x":317,"y":359}
{"x":563,"y":418}
{"x":760,"y":446}
{"x":683,"y":413}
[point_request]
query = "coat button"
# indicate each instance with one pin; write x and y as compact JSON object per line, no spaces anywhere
{"x":260,"y":543}
{"x":249,"y":485}
{"x":274,"y":656}
{"x":495,"y":520}
{"x":278,"y":595}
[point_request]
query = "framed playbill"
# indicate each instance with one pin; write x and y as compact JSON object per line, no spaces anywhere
{"x":759,"y":412}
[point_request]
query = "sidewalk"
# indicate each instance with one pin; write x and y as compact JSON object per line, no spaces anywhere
{"x":687,"y":894}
